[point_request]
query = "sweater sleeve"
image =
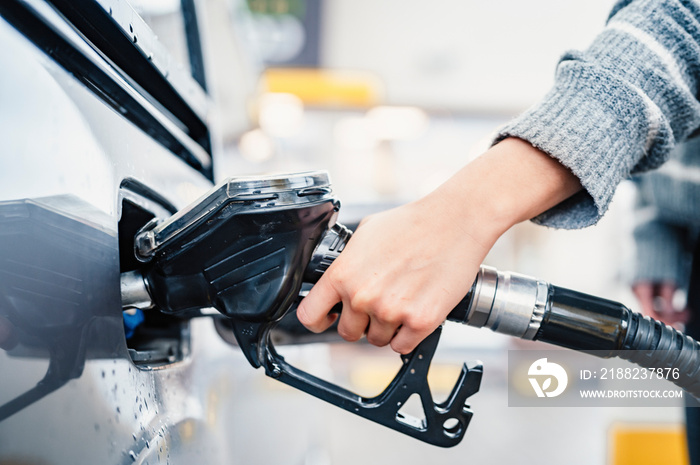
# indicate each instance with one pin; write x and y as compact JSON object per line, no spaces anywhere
{"x":617,"y":108}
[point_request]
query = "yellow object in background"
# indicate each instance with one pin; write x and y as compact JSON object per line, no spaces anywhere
{"x":369,"y":377}
{"x":648,"y":444}
{"x":319,"y":87}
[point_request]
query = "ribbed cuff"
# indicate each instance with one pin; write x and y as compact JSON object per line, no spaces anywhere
{"x":592,"y":123}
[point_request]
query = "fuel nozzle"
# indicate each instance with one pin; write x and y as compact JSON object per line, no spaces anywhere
{"x":241,"y":249}
{"x":246,"y":248}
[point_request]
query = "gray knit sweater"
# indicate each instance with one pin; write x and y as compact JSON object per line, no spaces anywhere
{"x":619,"y":107}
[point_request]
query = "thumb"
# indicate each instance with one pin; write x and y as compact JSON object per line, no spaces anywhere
{"x":314,"y":310}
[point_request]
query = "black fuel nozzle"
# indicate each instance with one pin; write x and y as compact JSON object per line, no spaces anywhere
{"x":241,"y":249}
{"x":245,"y":249}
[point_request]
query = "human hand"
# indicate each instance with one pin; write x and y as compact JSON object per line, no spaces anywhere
{"x":399,"y":276}
{"x":656,"y":301}
{"x":404,"y":270}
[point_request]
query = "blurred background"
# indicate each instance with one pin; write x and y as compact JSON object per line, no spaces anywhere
{"x":392,"y":97}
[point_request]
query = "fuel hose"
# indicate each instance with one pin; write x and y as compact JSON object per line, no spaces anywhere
{"x":522,"y":306}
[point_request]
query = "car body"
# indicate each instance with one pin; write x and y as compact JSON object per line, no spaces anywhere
{"x":104,"y":127}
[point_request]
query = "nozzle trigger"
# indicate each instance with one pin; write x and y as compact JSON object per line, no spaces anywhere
{"x":444,"y":423}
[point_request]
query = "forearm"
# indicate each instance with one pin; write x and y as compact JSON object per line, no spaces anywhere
{"x":510,"y":183}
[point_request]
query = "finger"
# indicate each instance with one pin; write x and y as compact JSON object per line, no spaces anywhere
{"x":407,"y":339}
{"x":352,"y":324}
{"x":380,"y":333}
{"x":313,"y":310}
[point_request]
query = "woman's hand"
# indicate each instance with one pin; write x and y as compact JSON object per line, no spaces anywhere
{"x":405,"y":269}
{"x":399,"y":276}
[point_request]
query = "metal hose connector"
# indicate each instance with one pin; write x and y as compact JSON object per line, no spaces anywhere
{"x":529,"y":308}
{"x":507,"y":303}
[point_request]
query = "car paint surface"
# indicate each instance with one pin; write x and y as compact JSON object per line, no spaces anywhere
{"x":69,"y":391}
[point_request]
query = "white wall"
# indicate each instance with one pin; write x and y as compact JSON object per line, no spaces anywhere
{"x":494,"y":56}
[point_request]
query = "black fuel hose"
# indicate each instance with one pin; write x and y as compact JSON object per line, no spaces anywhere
{"x":652,"y":344}
{"x":587,"y":323}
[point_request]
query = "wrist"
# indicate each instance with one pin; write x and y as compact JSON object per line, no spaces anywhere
{"x":510,"y":183}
